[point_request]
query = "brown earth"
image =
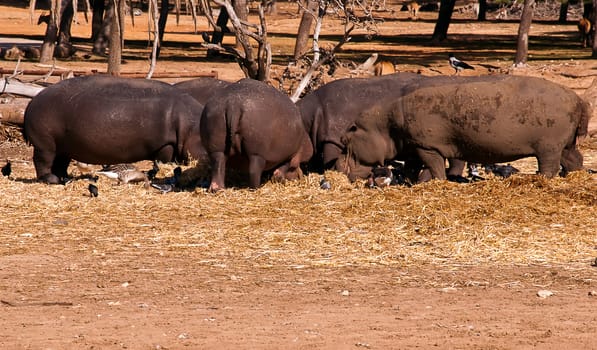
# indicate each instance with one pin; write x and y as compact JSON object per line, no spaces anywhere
{"x":140,"y":280}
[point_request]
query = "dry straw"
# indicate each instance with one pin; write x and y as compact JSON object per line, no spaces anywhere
{"x":525,"y":219}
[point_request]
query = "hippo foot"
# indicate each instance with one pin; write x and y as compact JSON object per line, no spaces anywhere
{"x":50,"y":179}
{"x":214,"y":187}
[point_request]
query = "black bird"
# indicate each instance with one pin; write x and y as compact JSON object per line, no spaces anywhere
{"x":457,"y":64}
{"x":7,"y":169}
{"x":174,"y":179}
{"x":93,"y":190}
{"x":324,"y":184}
{"x":153,"y":171}
{"x":501,"y":170}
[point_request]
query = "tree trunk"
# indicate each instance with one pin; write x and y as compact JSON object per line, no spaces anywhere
{"x":440,"y":33}
{"x":240,"y":8}
{"x":218,"y":35}
{"x":116,"y":38}
{"x":522,"y":48}
{"x":97,"y":18}
{"x":162,"y":24}
{"x":592,"y":17}
{"x":563,"y":12}
{"x":49,"y":43}
{"x":482,"y":10}
{"x":304,"y":30}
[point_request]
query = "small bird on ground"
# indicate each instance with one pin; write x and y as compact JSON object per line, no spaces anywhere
{"x":324,"y":184}
{"x":164,"y":188}
{"x":124,"y":173}
{"x":7,"y":169}
{"x":381,"y":176}
{"x":83,"y":167}
{"x":93,"y":190}
{"x":457,"y":64}
{"x":151,"y":173}
{"x":501,"y":170}
{"x":174,"y":179}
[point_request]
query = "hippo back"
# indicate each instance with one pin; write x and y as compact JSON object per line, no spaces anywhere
{"x":201,"y":89}
{"x":328,"y":111}
{"x":107,"y":120}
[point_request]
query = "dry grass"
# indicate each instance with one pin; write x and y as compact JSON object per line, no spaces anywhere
{"x":526,"y":219}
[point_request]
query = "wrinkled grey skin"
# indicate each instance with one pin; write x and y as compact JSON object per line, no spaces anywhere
{"x":328,"y":112}
{"x":487,"y":119}
{"x":201,"y":89}
{"x":252,"y":127}
{"x":109,"y":120}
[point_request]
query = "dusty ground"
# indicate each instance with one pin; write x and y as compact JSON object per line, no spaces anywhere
{"x":65,"y":284}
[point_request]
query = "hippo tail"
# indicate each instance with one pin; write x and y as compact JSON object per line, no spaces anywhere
{"x":582,"y":130}
{"x":233,"y":118}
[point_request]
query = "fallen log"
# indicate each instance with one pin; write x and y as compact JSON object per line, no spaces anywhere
{"x":13,"y":111}
{"x":76,"y":73}
{"x":15,"y":87}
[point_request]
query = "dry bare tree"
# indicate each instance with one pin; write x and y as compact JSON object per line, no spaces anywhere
{"x":522,"y":48}
{"x":255,"y":65}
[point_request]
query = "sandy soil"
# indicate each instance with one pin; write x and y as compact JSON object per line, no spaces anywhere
{"x":68,"y":295}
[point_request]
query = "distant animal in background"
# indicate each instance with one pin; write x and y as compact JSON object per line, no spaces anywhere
{"x":7,"y":169}
{"x":413,"y":8}
{"x":587,"y":32}
{"x":384,"y":67}
{"x":457,"y":64}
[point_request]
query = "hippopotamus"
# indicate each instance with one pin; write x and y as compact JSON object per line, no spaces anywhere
{"x":328,"y":111}
{"x":486,"y":119}
{"x":252,"y":127}
{"x":109,"y":120}
{"x":201,"y":89}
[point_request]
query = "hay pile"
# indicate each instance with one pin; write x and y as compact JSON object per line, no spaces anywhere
{"x":525,"y":219}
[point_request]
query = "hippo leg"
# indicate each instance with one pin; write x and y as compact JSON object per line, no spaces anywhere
{"x":165,"y":154}
{"x":43,"y":166}
{"x":571,"y":160}
{"x":549,"y":164}
{"x":60,"y":166}
{"x":218,"y":171}
{"x":256,"y":166}
{"x":456,"y":167}
{"x":331,"y":152}
{"x":434,"y":161}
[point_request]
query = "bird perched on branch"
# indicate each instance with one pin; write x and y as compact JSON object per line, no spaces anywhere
{"x":457,"y":64}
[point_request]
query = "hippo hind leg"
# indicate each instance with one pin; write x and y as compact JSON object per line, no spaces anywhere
{"x":571,"y":160}
{"x":218,"y":171}
{"x":60,"y":166}
{"x":256,"y":166}
{"x":43,"y":161}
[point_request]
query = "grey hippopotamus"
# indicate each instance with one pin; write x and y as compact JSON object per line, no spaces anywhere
{"x":109,"y":120}
{"x":251,"y":127}
{"x":201,"y":89}
{"x":328,"y":111}
{"x":488,"y":119}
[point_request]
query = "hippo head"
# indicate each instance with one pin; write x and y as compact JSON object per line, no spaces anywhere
{"x":368,"y":143}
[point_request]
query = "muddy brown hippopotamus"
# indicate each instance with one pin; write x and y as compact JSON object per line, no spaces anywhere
{"x":251,"y":127}
{"x":109,"y":120}
{"x":201,"y":89}
{"x":487,"y":119}
{"x":328,"y":111}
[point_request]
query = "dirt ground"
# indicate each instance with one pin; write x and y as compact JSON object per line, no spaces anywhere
{"x":124,"y":290}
